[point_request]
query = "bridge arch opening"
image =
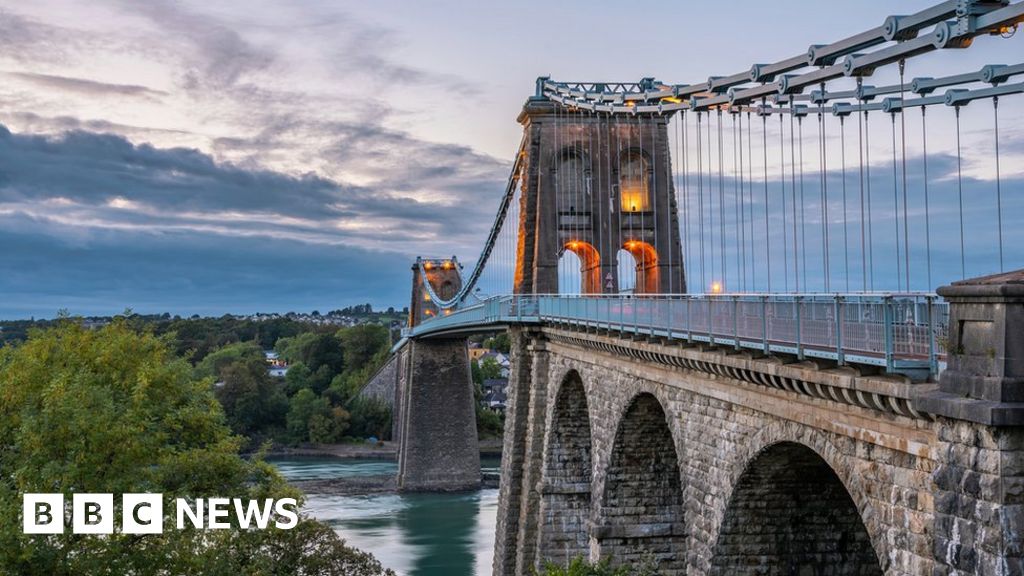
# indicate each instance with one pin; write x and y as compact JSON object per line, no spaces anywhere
{"x":565,"y":512}
{"x":579,"y":269}
{"x":644,"y":269}
{"x":791,"y":514}
{"x":642,"y":506}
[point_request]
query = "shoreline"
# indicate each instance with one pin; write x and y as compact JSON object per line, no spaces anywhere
{"x":490,"y":447}
{"x":372,"y":484}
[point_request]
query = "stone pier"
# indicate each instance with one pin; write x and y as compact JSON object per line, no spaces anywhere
{"x":438,"y":448}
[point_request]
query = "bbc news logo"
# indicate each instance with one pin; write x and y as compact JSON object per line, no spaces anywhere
{"x":144,"y":513}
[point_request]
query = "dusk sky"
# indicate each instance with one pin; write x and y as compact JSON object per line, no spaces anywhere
{"x":243,"y":156}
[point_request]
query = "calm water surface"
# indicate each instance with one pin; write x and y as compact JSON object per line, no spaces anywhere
{"x":413,"y":534}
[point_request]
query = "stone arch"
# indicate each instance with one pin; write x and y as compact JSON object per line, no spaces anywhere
{"x":565,"y":493}
{"x":642,"y":514}
{"x":582,"y":259}
{"x":793,"y":510}
{"x":645,"y":260}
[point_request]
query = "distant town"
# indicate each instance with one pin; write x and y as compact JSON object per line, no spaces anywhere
{"x":17,"y":330}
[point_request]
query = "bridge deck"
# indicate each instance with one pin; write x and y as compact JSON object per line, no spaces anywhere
{"x":901,"y":332}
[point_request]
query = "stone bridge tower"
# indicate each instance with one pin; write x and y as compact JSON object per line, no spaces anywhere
{"x":597,"y":185}
{"x":434,"y":409}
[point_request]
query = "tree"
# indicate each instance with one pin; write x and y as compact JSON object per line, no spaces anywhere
{"x":215,"y":362}
{"x":312,"y":419}
{"x":113,"y":411}
{"x":252,"y":401}
{"x":500,"y":342}
{"x":489,"y":368}
{"x":361,"y":343}
{"x":370,"y":417}
{"x":297,"y":378}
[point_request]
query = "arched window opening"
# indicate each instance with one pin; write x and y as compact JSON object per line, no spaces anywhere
{"x":627,"y":271}
{"x":573,"y":185}
{"x":633,"y":184}
{"x":579,"y":269}
{"x":645,"y":267}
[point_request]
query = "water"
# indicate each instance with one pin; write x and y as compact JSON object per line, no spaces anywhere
{"x":413,"y":534}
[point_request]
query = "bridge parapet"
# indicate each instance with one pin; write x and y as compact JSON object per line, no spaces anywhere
{"x":984,"y":381}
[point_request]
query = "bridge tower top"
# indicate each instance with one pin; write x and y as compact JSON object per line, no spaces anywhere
{"x":433,"y":279}
{"x":600,"y":187}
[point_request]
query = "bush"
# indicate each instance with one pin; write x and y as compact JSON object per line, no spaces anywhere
{"x":112,"y":410}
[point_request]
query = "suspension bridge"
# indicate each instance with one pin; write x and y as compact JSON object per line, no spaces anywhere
{"x":763,"y":323}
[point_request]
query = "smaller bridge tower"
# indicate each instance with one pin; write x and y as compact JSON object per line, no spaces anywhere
{"x":433,"y":279}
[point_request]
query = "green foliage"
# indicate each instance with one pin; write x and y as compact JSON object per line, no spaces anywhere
{"x":214,"y":363}
{"x":251,"y":399}
{"x":314,"y":350}
{"x":489,"y":368}
{"x":327,"y":370}
{"x":312,"y":419}
{"x":580,"y":567}
{"x":370,"y":417}
{"x":501,"y":343}
{"x":362,"y":343}
{"x":489,"y":424}
{"x":201,"y":336}
{"x":113,"y":410}
{"x":484,"y":369}
{"x":297,"y":378}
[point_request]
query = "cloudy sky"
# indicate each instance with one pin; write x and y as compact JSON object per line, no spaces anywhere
{"x":240,"y":156}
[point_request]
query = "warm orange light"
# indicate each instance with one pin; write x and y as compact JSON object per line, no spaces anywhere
{"x":672,"y":100}
{"x":574,"y":245}
{"x":635,"y":198}
{"x":631,"y":244}
{"x":426,"y":296}
{"x":447,"y":265}
{"x":716,"y":287}
{"x":447,"y":311}
{"x":428,"y":265}
{"x":428,"y":312}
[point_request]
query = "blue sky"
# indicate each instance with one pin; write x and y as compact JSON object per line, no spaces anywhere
{"x":198,"y":157}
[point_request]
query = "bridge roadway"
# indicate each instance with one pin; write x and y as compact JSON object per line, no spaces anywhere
{"x":900,"y":332}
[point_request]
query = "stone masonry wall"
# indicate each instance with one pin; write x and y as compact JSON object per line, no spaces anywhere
{"x":891,"y":468}
{"x":565,"y":494}
{"x":790,"y":514}
{"x":438,"y":448}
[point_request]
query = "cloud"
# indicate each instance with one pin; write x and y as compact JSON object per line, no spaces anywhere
{"x":89,"y":174}
{"x":87,"y":87}
{"x":130,"y":215}
{"x":188,"y":273}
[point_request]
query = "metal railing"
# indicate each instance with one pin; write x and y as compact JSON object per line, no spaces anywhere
{"x":902,"y":332}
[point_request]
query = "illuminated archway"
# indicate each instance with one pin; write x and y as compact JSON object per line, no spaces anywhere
{"x":581,"y":258}
{"x":645,"y":258}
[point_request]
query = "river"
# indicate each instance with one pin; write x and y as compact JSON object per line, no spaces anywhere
{"x":413,"y":534}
